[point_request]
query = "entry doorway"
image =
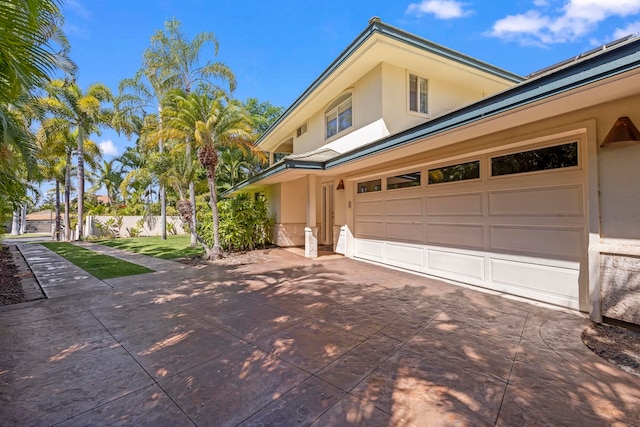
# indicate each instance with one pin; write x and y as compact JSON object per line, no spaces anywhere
{"x":326,"y":235}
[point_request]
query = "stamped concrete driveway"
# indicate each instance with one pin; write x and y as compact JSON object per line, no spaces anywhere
{"x":288,"y":341}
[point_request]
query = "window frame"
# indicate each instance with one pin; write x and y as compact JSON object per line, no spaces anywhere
{"x":419,"y":78}
{"x":334,"y":108}
{"x":525,"y":149}
{"x":420,"y":181}
{"x":430,"y":168}
{"x":375,"y":188}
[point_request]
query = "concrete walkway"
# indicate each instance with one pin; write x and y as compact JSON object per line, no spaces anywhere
{"x":289,"y":341}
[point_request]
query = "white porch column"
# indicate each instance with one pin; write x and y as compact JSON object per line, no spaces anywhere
{"x":311,"y":230}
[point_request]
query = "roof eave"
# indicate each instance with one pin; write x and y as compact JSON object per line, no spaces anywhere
{"x":280,"y":167}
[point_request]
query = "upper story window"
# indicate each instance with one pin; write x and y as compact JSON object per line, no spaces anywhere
{"x":339,"y":115}
{"x":418,"y":94}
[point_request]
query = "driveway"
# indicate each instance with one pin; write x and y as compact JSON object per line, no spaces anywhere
{"x":290,"y":341}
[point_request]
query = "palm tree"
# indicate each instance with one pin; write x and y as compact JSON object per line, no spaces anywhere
{"x":56,"y":146}
{"x":137,"y":176}
{"x":32,"y":47}
{"x":16,"y":153}
{"x":110,"y":176}
{"x":136,"y":96}
{"x":173,"y":62}
{"x":214,"y":122}
{"x":233,"y":168}
{"x":86,"y":112}
{"x":51,"y":149}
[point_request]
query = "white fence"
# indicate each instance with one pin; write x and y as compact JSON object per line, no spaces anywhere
{"x":128,"y":226}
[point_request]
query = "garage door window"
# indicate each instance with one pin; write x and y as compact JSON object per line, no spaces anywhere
{"x":556,"y":157}
{"x":459,"y":172}
{"x":369,"y":186}
{"x":403,"y":181}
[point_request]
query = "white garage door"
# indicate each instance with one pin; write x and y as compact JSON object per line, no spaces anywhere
{"x":514,"y":221}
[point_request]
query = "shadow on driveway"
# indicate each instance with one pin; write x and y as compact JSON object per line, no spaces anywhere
{"x":289,"y":341}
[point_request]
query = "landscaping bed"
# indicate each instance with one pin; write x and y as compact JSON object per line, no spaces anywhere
{"x":10,"y":288}
{"x":616,"y":344}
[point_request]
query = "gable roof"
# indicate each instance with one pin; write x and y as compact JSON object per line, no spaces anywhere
{"x":594,"y":66}
{"x":376,"y":26}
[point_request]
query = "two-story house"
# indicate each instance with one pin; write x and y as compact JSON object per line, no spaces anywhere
{"x":406,"y":153}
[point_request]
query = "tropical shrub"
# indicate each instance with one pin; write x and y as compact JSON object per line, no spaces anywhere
{"x":134,"y":231}
{"x":245,"y":223}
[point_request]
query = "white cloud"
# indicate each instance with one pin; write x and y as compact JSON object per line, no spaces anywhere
{"x":632,"y":28}
{"x":441,"y":9}
{"x":108,"y":148}
{"x":576,"y":19}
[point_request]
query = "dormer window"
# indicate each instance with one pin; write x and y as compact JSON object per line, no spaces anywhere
{"x":339,"y":115}
{"x":418,"y":94}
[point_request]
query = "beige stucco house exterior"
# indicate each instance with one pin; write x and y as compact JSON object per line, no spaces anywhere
{"x":408,"y":154}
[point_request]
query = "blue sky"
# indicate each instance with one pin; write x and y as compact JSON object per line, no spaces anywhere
{"x":277,"y":48}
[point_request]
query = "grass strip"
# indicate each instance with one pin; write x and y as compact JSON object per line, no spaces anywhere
{"x":99,"y":265}
{"x":173,"y":247}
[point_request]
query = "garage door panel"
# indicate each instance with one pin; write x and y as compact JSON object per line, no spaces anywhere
{"x":461,"y":235}
{"x":560,"y":201}
{"x":548,"y":283}
{"x":370,"y":207}
{"x":545,"y":241}
{"x":370,"y":250}
{"x":404,"y":207}
{"x":405,"y":256}
{"x":454,"y":263}
{"x":455,"y":204}
{"x":405,"y":231}
{"x":371,"y":229}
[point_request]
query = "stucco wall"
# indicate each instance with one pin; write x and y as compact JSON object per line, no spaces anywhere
{"x":443,"y":97}
{"x":620,"y":189}
{"x":293,"y":198}
{"x":151,"y":228}
{"x":273,"y":195}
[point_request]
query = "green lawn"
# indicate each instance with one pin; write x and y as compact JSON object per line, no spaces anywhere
{"x":173,"y":247}
{"x":101,"y":266}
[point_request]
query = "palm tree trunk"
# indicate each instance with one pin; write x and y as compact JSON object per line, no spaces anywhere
{"x":192,"y":199}
{"x":163,"y":194}
{"x":216,"y":251}
{"x":57,"y":229}
{"x":67,"y":198}
{"x":192,"y":226}
{"x":80,"y":182}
